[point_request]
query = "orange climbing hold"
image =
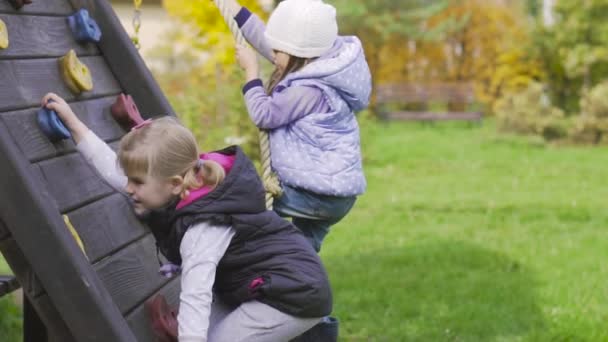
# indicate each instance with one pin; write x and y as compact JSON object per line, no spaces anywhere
{"x":75,"y":74}
{"x":3,"y":35}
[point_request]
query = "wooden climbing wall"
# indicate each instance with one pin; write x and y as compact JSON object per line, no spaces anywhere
{"x":78,"y":299}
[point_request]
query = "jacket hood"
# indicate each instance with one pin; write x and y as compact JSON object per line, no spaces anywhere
{"x":342,"y":68}
{"x":241,"y":192}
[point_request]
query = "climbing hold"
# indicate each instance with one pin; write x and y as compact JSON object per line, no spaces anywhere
{"x":3,"y":35}
{"x":163,"y":317}
{"x":19,"y":3}
{"x":51,"y":125}
{"x":66,"y":219}
{"x":84,"y":28}
{"x":75,"y":74}
{"x":125,"y":111}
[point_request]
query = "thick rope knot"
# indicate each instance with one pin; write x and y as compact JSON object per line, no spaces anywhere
{"x":273,"y":186}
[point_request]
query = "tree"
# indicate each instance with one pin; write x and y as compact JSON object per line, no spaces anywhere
{"x":574,"y":49}
{"x":209,"y":32}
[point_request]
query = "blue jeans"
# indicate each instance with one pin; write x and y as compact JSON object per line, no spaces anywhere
{"x":312,"y":213}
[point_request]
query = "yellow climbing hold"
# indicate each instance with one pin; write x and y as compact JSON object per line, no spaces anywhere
{"x":66,"y":219}
{"x":3,"y":35}
{"x":75,"y":74}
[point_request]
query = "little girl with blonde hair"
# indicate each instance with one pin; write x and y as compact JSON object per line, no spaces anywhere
{"x":246,"y":274}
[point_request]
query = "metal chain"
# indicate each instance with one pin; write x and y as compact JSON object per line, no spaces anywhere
{"x":136,"y":22}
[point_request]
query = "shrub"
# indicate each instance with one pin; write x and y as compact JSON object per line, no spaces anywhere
{"x":530,"y":112}
{"x":592,"y":124}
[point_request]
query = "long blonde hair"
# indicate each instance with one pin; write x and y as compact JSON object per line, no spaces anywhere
{"x":294,"y":64}
{"x":164,"y":148}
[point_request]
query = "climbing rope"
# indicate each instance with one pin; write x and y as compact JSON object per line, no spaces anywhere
{"x":136,"y":22}
{"x":271,"y":182}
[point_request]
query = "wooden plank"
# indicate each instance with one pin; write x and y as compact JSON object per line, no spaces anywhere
{"x":31,"y":79}
{"x":107,"y":225}
{"x":72,"y":182}
{"x":46,"y":317}
{"x":23,"y":271}
{"x":4,"y":232}
{"x":428,"y":116}
{"x":36,"y":146}
{"x":34,"y":329}
{"x":412,"y":93}
{"x":36,"y":36}
{"x":46,"y":7}
{"x":138,"y":319}
{"x":73,"y":286}
{"x":131,"y":275}
{"x":125,"y":61}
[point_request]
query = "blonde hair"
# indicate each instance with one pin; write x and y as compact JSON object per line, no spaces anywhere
{"x":294,"y":64}
{"x":164,"y":148}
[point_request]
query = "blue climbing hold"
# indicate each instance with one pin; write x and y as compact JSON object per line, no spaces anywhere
{"x":84,"y":28}
{"x":51,"y":125}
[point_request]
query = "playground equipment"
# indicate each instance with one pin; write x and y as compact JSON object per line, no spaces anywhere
{"x":3,"y":35}
{"x":70,"y":295}
{"x":75,"y":73}
{"x":83,"y":27}
{"x":125,"y":112}
{"x":51,"y":125}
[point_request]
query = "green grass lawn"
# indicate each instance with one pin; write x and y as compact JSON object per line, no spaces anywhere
{"x":465,"y":235}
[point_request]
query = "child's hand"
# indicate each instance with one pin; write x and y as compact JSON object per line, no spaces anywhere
{"x":72,"y":122}
{"x":248,"y":60}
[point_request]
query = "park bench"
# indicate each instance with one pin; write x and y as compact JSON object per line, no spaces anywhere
{"x":391,"y":99}
{"x":70,"y":294}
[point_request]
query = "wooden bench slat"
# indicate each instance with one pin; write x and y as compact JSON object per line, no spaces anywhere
{"x":408,"y":93}
{"x":36,"y":77}
{"x":131,"y":275}
{"x":404,"y":93}
{"x":43,"y":7}
{"x":24,"y":129}
{"x":106,"y":225}
{"x":40,"y":37}
{"x":431,"y":116}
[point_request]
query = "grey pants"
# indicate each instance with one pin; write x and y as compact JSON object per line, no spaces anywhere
{"x":254,"y":322}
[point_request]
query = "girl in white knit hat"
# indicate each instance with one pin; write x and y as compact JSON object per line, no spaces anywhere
{"x":308,"y":106}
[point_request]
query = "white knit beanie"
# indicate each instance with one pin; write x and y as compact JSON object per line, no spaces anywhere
{"x":302,"y":28}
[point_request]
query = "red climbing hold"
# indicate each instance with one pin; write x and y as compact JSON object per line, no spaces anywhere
{"x":163,"y":319}
{"x":125,"y":111}
{"x":19,"y":3}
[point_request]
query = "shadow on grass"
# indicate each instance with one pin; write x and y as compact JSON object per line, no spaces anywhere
{"x":436,"y":291}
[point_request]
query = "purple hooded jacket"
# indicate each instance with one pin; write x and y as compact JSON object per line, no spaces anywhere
{"x":314,"y":134}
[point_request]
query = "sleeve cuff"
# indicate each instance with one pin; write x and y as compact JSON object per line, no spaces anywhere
{"x":192,"y":339}
{"x":252,"y":84}
{"x":242,"y":16}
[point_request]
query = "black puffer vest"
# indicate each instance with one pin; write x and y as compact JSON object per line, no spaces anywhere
{"x":268,"y":258}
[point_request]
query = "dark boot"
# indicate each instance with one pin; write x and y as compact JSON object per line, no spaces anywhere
{"x":325,"y":331}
